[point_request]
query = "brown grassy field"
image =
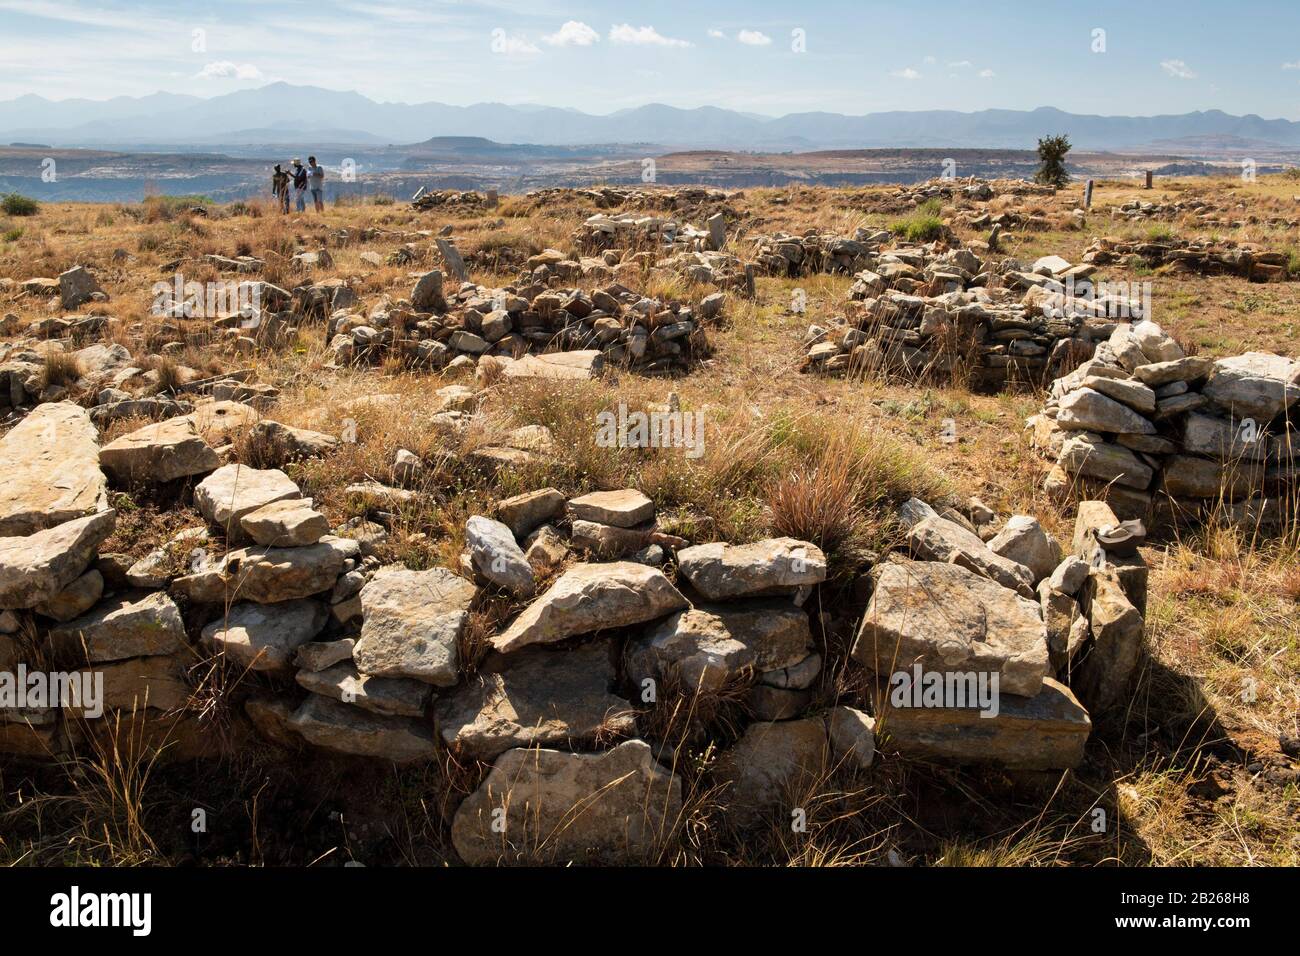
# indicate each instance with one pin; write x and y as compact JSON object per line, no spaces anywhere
{"x":1192,"y":774}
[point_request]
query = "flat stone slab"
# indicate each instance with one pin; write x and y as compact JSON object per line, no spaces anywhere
{"x":938,"y":539}
{"x":537,"y":697}
{"x":346,"y":729}
{"x":394,"y":696}
{"x":164,"y":451}
{"x":1256,"y":385}
{"x":132,"y":625}
{"x":584,"y":364}
{"x":264,"y":637}
{"x":269,"y":575}
{"x":36,"y":568}
{"x":946,"y":618}
{"x":1104,"y":461}
{"x":592,"y":597}
{"x":621,"y":509}
{"x":232,"y":491}
{"x":1045,"y":732}
{"x":554,"y":807}
{"x":707,"y":646}
{"x":722,"y":571}
{"x":1089,"y":410}
{"x":49,"y":463}
{"x":411,"y":625}
{"x":288,"y":523}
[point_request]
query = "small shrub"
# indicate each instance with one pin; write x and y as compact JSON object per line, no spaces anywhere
{"x":16,"y":205}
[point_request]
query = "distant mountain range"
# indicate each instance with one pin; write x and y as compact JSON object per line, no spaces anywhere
{"x":281,"y":113}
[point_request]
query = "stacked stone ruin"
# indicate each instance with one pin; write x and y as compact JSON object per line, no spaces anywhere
{"x":785,"y":255}
{"x":336,"y":652}
{"x":932,"y":312}
{"x":1201,"y":256}
{"x":1165,"y":435}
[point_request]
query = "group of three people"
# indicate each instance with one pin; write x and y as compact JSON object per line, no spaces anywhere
{"x":300,"y":178}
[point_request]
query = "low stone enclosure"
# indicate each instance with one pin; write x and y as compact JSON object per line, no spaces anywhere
{"x":978,"y":641}
{"x":1163,"y":435}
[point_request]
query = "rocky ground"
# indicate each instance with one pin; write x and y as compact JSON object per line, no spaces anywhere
{"x":592,"y":526}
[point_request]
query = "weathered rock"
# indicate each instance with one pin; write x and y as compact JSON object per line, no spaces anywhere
{"x":1045,"y":732}
{"x":622,"y":509}
{"x":852,"y":736}
{"x":268,"y":575}
{"x":163,"y":451}
{"x":777,"y":565}
{"x":1089,"y":410}
{"x":1256,"y":385}
{"x":77,"y":287}
{"x":497,"y":556}
{"x":316,"y":656}
{"x":546,"y":551}
{"x":270,"y":716}
{"x":233,"y":491}
{"x":798,"y":676}
{"x":411,"y":625}
{"x":770,"y":768}
{"x":558,"y":365}
{"x":133,"y":625}
{"x":704,"y":647}
{"x":1068,"y":576}
{"x":946,"y":618}
{"x":279,"y":444}
{"x":264,"y":637}
{"x":427,"y":294}
{"x":291,"y":522}
{"x":937,"y":539}
{"x":77,"y":598}
{"x":1091,"y":458}
{"x":392,"y":696}
{"x":1102,"y":677}
{"x":523,"y":513}
{"x":37,"y":567}
{"x":1188,"y":369}
{"x":616,"y":807}
{"x":156,"y":682}
{"x":776,"y":703}
{"x":1128,"y":391}
{"x":351,"y":730}
{"x":50,"y":467}
{"x":538,"y":697}
{"x":592,"y":597}
{"x":1026,"y":542}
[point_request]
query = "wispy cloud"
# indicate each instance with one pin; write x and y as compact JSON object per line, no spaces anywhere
{"x":573,"y":33}
{"x":906,"y":74}
{"x":986,"y":74}
{"x":642,"y":36}
{"x":227,"y":69}
{"x":753,"y":38}
{"x":717,"y":34}
{"x":512,"y":44}
{"x":959,"y":65}
{"x":1293,"y":65}
{"x":1177,"y":69}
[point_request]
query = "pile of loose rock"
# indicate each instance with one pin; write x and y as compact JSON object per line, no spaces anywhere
{"x":927,"y":311}
{"x":601,"y":232}
{"x":439,"y":198}
{"x":813,"y":252}
{"x":1146,"y":426}
{"x":527,"y":325}
{"x":1201,"y":256}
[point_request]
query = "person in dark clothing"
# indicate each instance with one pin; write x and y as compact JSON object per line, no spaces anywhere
{"x":280,"y":188}
{"x":299,"y":185}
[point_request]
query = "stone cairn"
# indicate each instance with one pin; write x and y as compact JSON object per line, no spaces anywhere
{"x":335,"y":651}
{"x":1164,"y":434}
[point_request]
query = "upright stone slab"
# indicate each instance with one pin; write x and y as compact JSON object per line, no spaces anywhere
{"x":49,"y":470}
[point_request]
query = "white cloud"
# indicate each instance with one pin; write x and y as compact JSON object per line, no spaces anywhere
{"x":225,"y":69}
{"x":573,"y":33}
{"x":906,"y":74}
{"x":1293,"y":65}
{"x":1177,"y":69}
{"x":960,"y":64}
{"x":929,"y":61}
{"x":717,"y":34}
{"x":642,"y":36}
{"x":512,"y":45}
{"x":753,"y":38}
{"x":986,"y":74}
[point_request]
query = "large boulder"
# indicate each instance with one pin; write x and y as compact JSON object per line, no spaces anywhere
{"x":50,"y":467}
{"x":553,"y":807}
{"x":945,"y":618}
{"x":36,"y":568}
{"x":411,"y":625}
{"x":160,"y":452}
{"x":537,"y":697}
{"x":592,"y":597}
{"x":706,"y":646}
{"x":777,"y":565}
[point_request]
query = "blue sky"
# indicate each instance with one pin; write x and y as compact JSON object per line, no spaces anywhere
{"x":857,"y":57}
